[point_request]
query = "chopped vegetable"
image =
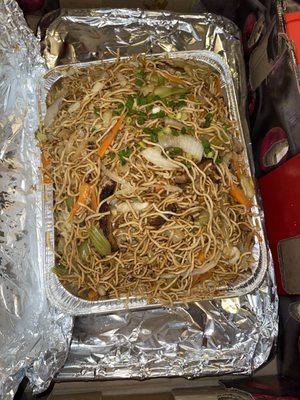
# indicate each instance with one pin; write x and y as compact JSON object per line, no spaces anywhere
{"x":175,"y":151}
{"x":187,"y":143}
{"x":141,"y":117}
{"x":69,"y":203}
{"x":106,"y":222}
{"x":52,"y":112}
{"x":99,"y":241}
{"x":110,"y":136}
{"x":209,"y":153}
{"x":171,"y":78}
{"x":201,"y":257}
{"x":165,"y":91}
{"x":206,"y":266}
{"x":45,"y":161}
{"x":74,"y":107}
{"x":107,"y":116}
{"x":84,"y":193}
{"x":202,"y":220}
{"x":97,"y":111}
{"x":239,"y":195}
{"x":160,"y":114}
{"x":174,"y":123}
{"x":233,"y":254}
{"x":153,"y":133}
{"x":119,"y":109}
{"x":161,"y":80}
{"x":94,"y":200}
{"x":92,"y":295}
{"x":130,"y":102}
{"x":153,"y":155}
{"x":121,"y":78}
{"x":124,"y":154}
{"x":59,"y":270}
{"x":236,"y":166}
{"x":208,"y":119}
{"x":140,"y":77}
{"x":137,"y":206}
{"x":247,"y":185}
{"x":84,"y":250}
{"x":97,"y":87}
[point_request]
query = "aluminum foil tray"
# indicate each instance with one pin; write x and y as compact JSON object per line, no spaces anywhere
{"x":71,"y":304}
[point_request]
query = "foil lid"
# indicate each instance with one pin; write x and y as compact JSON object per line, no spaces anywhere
{"x":34,"y":337}
{"x":233,"y":335}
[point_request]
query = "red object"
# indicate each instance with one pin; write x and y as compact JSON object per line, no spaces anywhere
{"x":247,"y":31}
{"x":30,"y":5}
{"x":292,"y":21}
{"x":280,"y":191}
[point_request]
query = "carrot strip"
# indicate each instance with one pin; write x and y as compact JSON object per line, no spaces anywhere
{"x":45,"y":161}
{"x":94,"y":200}
{"x":201,"y":257}
{"x":47,"y":179}
{"x":201,"y":278}
{"x":110,"y":136}
{"x":171,"y":78}
{"x":84,"y":193}
{"x":92,"y":295}
{"x":239,"y":195}
{"x":237,"y":167}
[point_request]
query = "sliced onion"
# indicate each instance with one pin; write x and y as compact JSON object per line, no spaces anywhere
{"x":107,"y":116}
{"x":153,"y":155}
{"x":111,"y":175}
{"x":172,"y":188}
{"x":97,"y":87}
{"x":232,"y":254}
{"x":121,"y":78}
{"x":206,"y":266}
{"x":174,"y":123}
{"x":126,"y":187}
{"x":187,"y":143}
{"x":74,"y":107}
{"x":145,"y":90}
{"x":52,"y":112}
{"x":247,"y":186}
{"x":135,"y":205}
{"x":155,"y":109}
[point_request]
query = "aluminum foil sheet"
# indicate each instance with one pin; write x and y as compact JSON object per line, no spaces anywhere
{"x":88,"y":35}
{"x":34,"y":338}
{"x":208,"y":338}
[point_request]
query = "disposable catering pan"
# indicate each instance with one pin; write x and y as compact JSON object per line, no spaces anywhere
{"x":61,"y":298}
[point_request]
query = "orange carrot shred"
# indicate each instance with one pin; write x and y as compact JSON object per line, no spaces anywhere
{"x":239,"y":195}
{"x":237,"y":167}
{"x":110,"y":136}
{"x":94,"y":200}
{"x":171,"y":78}
{"x":92,"y":295}
{"x":201,"y":257}
{"x":201,"y":278}
{"x":45,"y":161}
{"x":84,"y":193}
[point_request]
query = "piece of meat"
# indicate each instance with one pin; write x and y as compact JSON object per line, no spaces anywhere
{"x":158,"y":221}
{"x":105,"y":222}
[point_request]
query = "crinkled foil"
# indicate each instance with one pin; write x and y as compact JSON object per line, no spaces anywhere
{"x":34,"y":338}
{"x":208,"y":338}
